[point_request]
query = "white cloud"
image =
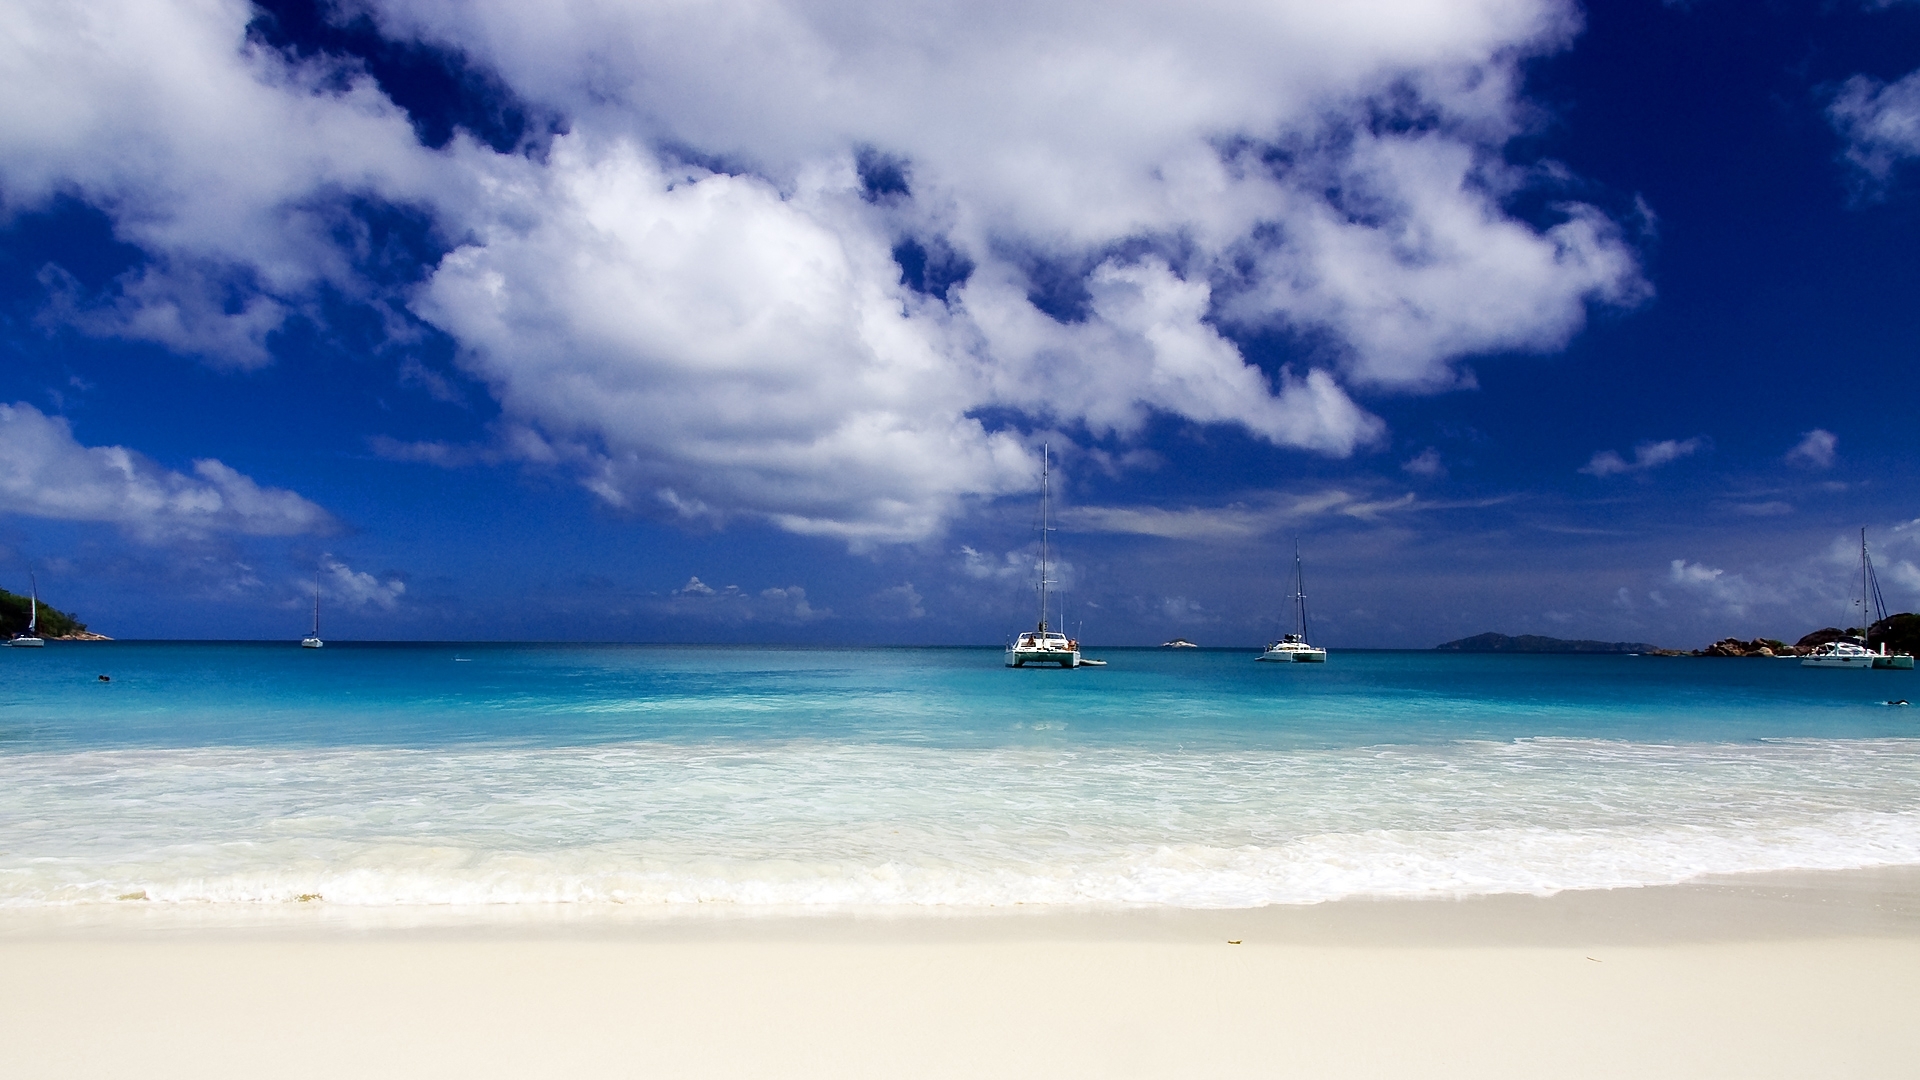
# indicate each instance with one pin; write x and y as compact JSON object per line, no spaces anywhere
{"x":1814,"y":449}
{"x":1646,"y":455}
{"x":355,"y":588}
{"x":1716,"y":586}
{"x":1425,"y":463}
{"x":903,"y":601}
{"x":1880,"y":121}
{"x":224,"y":162}
{"x":735,"y":605}
{"x":1235,"y":521}
{"x":45,"y":472}
{"x":739,"y":343}
{"x":982,"y":567}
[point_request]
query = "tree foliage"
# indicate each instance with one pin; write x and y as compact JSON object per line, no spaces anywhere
{"x":15,"y":612}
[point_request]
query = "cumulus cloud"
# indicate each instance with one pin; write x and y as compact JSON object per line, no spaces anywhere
{"x":352,"y":588}
{"x":732,"y":604}
{"x":45,"y":472}
{"x":1881,"y":123}
{"x":229,"y":165}
{"x":1646,"y":455}
{"x":903,"y":601}
{"x":1815,"y":449}
{"x":693,"y":300}
{"x":1716,"y":586}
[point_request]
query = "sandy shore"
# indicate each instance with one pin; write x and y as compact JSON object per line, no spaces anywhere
{"x":1809,"y":975}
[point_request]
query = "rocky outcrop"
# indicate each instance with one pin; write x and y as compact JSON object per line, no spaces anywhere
{"x":1825,"y":635}
{"x":1736,"y":647}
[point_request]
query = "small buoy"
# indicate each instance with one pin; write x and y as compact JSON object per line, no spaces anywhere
{"x":105,"y":678}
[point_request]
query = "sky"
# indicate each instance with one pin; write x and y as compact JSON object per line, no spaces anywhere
{"x":753,"y":320}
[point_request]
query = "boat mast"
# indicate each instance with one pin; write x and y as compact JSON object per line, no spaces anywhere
{"x":1046,"y":495}
{"x":316,"y":612}
{"x":33,"y":610}
{"x":1299,"y":592}
{"x":1873,"y":606}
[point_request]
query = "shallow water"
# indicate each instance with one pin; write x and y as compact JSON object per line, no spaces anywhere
{"x":430,"y":774}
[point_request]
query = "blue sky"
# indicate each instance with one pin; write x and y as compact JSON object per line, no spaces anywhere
{"x":749,"y":321}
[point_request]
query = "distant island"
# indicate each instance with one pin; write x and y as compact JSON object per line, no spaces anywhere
{"x":55,"y":625}
{"x":1534,"y":643}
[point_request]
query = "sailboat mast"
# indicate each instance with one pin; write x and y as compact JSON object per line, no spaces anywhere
{"x":1866,"y":597}
{"x":1299,"y":592}
{"x":1046,"y":497}
{"x":33,"y":611}
{"x":316,"y":613}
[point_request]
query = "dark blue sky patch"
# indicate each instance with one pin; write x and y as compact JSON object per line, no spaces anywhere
{"x":931,"y":267}
{"x":441,"y":90}
{"x":76,"y":237}
{"x":389,"y":244}
{"x":883,"y":177}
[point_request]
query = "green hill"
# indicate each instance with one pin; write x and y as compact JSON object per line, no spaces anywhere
{"x":1534,"y":643}
{"x":15,"y":610}
{"x":1901,"y":633}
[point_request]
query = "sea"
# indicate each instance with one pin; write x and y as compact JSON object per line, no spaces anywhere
{"x":760,"y":779}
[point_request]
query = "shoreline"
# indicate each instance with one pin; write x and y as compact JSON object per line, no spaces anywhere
{"x":1801,"y":974}
{"x":1767,"y":905}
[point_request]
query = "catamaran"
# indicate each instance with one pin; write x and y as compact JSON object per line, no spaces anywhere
{"x":1293,"y":648}
{"x":1873,"y":610}
{"x":31,"y":639}
{"x":312,"y":641}
{"x":1041,"y":645}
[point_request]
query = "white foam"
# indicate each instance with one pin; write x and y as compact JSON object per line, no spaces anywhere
{"x":803,"y":824}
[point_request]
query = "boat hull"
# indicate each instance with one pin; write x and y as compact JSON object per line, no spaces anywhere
{"x":1294,"y":656}
{"x":27,"y":643}
{"x":1897,"y":662}
{"x":1849,"y":663}
{"x":1065,"y":658}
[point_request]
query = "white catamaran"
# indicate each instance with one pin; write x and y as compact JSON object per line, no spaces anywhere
{"x":31,"y":639}
{"x":1293,"y":648}
{"x":1873,"y":609}
{"x":312,"y":641}
{"x":1041,"y":645}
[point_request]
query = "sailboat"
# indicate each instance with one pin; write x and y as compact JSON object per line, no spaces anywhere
{"x":1041,"y":645}
{"x":312,"y":641}
{"x":1293,"y":648}
{"x":1873,"y":609}
{"x":31,"y":639}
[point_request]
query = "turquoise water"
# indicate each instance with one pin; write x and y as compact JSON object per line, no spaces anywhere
{"x":750,"y":777}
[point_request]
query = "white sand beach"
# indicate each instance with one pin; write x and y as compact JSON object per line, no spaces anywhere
{"x":1782,"y":975}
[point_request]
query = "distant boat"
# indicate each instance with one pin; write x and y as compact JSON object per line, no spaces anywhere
{"x":1293,"y":648}
{"x":312,"y":641}
{"x":1041,"y":645}
{"x":31,"y":639}
{"x":1178,"y":643}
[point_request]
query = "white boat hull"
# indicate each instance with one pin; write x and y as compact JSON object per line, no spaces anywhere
{"x":312,"y":643}
{"x":27,"y":643}
{"x":1065,"y":658}
{"x":1855,"y":659}
{"x":1294,"y":656}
